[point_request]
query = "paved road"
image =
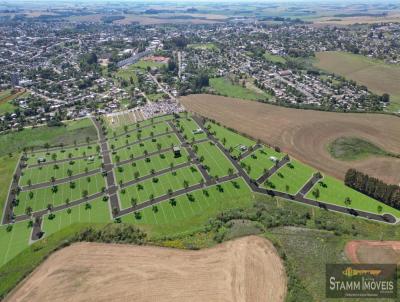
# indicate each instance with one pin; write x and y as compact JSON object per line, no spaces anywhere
{"x":59,"y":161}
{"x":112,"y":188}
{"x":249,"y":151}
{"x":143,"y":140}
{"x":310,"y":183}
{"x":141,"y":127}
{"x":8,"y":207}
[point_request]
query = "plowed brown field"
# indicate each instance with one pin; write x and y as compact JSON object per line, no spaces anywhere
{"x":370,"y":251}
{"x":246,"y":269}
{"x":305,"y":134}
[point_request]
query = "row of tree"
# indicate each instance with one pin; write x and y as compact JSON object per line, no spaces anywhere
{"x":373,"y":187}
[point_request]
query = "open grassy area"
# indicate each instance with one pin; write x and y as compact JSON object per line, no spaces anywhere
{"x":158,"y":186}
{"x":6,"y":96}
{"x":13,"y":241}
{"x":144,"y":64}
{"x":259,"y":160}
{"x":190,"y":129}
{"x":38,"y":137}
{"x":127,"y":74}
{"x":184,"y":215}
{"x":231,"y":140}
{"x":290,"y":178}
{"x":132,"y":137}
{"x":365,"y":71}
{"x":61,"y":154}
{"x":96,"y":211}
{"x":38,"y":199}
{"x":58,"y":171}
{"x":7,"y":168}
{"x":353,"y":148}
{"x":149,"y":146}
{"x":144,"y":167}
{"x":214,"y":160}
{"x":274,"y":58}
{"x":334,"y":191}
{"x":224,"y":87}
{"x":207,"y":46}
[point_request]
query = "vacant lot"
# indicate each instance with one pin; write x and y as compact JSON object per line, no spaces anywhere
{"x":305,"y":134}
{"x":369,"y":251}
{"x":247,"y":269}
{"x":376,"y":75}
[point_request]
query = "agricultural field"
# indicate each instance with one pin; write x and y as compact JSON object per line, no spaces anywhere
{"x":365,"y":71}
{"x":224,"y":87}
{"x":306,"y":134}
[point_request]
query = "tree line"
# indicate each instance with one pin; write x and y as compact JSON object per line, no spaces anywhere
{"x":373,"y":187}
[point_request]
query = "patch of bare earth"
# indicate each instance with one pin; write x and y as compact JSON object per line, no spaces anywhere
{"x":305,"y":134}
{"x":246,"y":269}
{"x":369,"y":251}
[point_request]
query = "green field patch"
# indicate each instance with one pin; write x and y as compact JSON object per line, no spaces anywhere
{"x":290,"y":178}
{"x":145,"y":64}
{"x":146,"y":166}
{"x":260,"y":160}
{"x":353,"y":148}
{"x":204,"y":46}
{"x":191,"y":131}
{"x":122,"y":130}
{"x":148,"y":146}
{"x":45,"y":173}
{"x":37,"y":137}
{"x":214,"y":160}
{"x":139,"y":134}
{"x":274,"y":58}
{"x":13,"y":241}
{"x":234,"y":142}
{"x":333,"y":191}
{"x":128,"y":74}
{"x":39,"y":199}
{"x":154,"y":97}
{"x":186,"y":213}
{"x":159,"y":185}
{"x":96,"y":211}
{"x":225,"y":87}
{"x":65,"y":153}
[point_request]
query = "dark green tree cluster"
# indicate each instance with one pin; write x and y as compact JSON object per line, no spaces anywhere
{"x":113,"y":233}
{"x":373,"y":187}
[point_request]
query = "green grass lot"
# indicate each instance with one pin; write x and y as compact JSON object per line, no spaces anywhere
{"x":120,"y":130}
{"x":154,"y":97}
{"x":145,"y":166}
{"x":233,"y":140}
{"x":274,"y":58}
{"x":7,"y":168}
{"x":188,"y":126}
{"x":353,"y":148}
{"x":13,"y":242}
{"x":7,"y":107}
{"x":132,"y":137}
{"x":365,"y":71}
{"x":151,"y":146}
{"x":37,"y":137}
{"x":186,"y":215}
{"x":58,"y":171}
{"x":65,"y":153}
{"x":214,"y":159}
{"x":288,"y":179}
{"x":260,"y":160}
{"x":96,"y":211}
{"x":142,"y":64}
{"x":224,"y":87}
{"x":170,"y":180}
{"x":44,"y":196}
{"x":335,"y":192}
{"x":127,"y":73}
{"x":208,"y":46}
{"x":5,"y":100}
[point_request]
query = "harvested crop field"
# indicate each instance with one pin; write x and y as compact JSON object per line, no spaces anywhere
{"x":306,"y":134}
{"x":246,"y":269}
{"x":369,"y":251}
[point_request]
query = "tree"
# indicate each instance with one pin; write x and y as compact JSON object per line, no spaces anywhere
{"x":49,"y":207}
{"x":28,"y":211}
{"x":347,"y":201}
